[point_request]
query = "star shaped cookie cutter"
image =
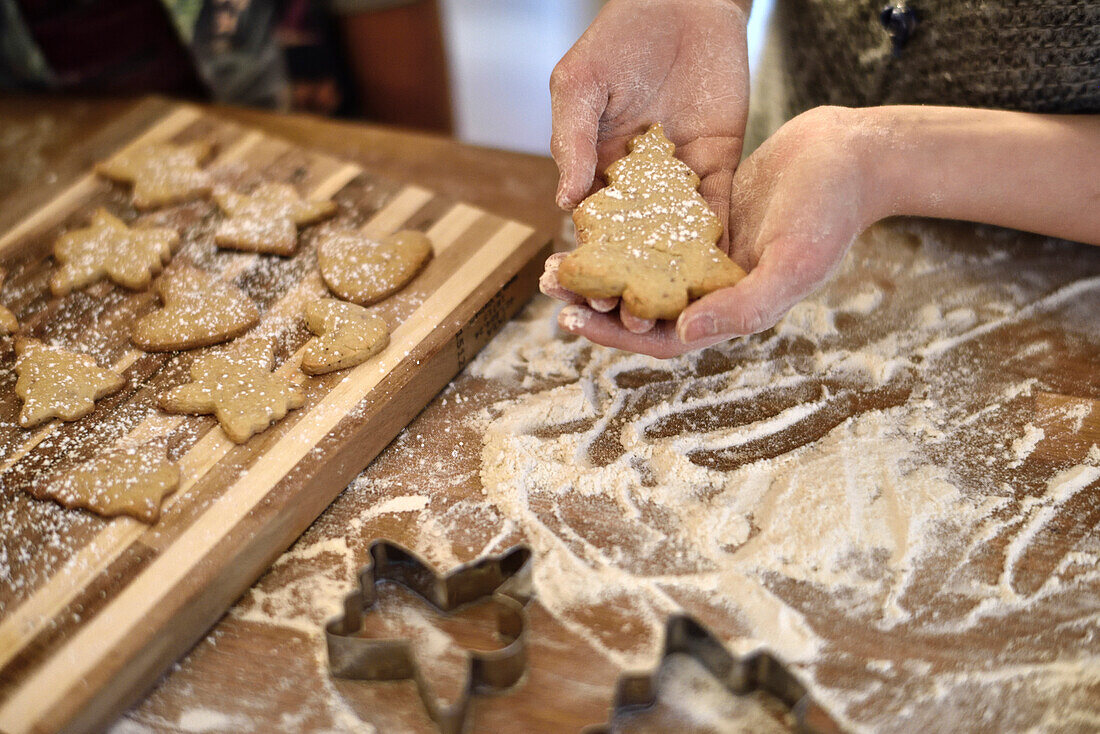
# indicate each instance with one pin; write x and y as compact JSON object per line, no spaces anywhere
{"x":757,"y":671}
{"x":504,"y":578}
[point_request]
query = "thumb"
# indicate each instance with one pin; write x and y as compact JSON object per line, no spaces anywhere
{"x":576,"y":102}
{"x":780,"y":280}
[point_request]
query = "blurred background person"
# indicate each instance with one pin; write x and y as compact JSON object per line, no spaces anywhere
{"x":379,"y":59}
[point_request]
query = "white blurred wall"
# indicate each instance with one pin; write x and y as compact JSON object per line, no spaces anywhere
{"x":501,"y":53}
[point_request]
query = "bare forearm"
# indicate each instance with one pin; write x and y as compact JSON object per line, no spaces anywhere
{"x":1034,"y":172}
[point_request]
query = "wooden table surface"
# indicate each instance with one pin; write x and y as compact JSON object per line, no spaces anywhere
{"x":896,"y":490}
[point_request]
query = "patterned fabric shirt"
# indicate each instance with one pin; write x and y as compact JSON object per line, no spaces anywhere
{"x":223,"y":48}
{"x":1031,"y":55}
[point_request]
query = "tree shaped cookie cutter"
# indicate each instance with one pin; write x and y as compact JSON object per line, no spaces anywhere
{"x":505,"y":579}
{"x":758,"y":671}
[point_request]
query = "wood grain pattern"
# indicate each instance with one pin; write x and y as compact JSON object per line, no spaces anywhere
{"x":71,"y":657}
{"x":262,"y":666}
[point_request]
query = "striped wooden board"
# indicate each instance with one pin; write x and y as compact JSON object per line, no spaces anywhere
{"x":92,"y":610}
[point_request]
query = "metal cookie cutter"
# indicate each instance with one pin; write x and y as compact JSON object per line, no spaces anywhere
{"x":758,"y":671}
{"x":506,"y":579}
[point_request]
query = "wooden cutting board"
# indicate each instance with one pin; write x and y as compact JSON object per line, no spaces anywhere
{"x":93,"y":610}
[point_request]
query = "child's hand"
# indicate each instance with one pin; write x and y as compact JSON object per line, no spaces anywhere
{"x":797,"y":204}
{"x":680,"y":62}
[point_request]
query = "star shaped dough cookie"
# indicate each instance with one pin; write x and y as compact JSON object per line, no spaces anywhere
{"x":121,"y":481}
{"x":365,"y":270}
{"x":199,"y":310}
{"x":267,"y":220}
{"x":347,"y":335}
{"x":109,"y":249}
{"x":648,"y":236}
{"x":161,"y":173}
{"x":236,"y":385}
{"x":8,"y":323}
{"x":57,"y":383}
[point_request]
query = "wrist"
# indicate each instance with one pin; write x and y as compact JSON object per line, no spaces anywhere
{"x":882,"y":146}
{"x":863,"y":144}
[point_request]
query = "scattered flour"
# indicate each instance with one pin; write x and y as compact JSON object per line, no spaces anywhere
{"x":808,"y":318}
{"x":863,"y":302}
{"x":202,"y":720}
{"x":625,"y":475}
{"x":858,"y":497}
{"x":1025,"y":444}
{"x":689,"y":699}
{"x":851,"y":511}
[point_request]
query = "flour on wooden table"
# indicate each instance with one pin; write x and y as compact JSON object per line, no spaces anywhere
{"x":874,"y":514}
{"x":843,"y":490}
{"x":690,"y":699}
{"x":1025,"y":444}
{"x":812,"y":516}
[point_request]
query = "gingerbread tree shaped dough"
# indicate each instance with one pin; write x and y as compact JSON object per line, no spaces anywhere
{"x":121,"y":481}
{"x":199,"y":309}
{"x":236,"y":385}
{"x":364,"y":270}
{"x":347,"y":335}
{"x":109,"y":249}
{"x":8,"y":323}
{"x":648,"y":236}
{"x":162,"y":173}
{"x":56,"y":383}
{"x":267,"y":220}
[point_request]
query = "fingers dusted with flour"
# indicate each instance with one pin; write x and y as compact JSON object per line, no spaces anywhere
{"x":548,"y":282}
{"x":660,"y":341}
{"x":549,"y":285}
{"x":577,"y":103}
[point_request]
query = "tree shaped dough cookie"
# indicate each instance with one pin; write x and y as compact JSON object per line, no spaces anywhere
{"x":347,"y":335}
{"x":199,"y":309}
{"x":121,"y":481}
{"x":56,"y":383}
{"x":8,"y":323}
{"x":107,"y":248}
{"x":648,"y":236}
{"x":237,"y":385}
{"x":267,"y":220}
{"x":364,"y":269}
{"x":161,"y":173}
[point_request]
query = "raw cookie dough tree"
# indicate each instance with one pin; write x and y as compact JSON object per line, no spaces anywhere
{"x":107,"y":248}
{"x":648,"y":236}
{"x":57,"y":383}
{"x":121,"y":481}
{"x":237,"y":385}
{"x":364,"y":270}
{"x":200,"y":309}
{"x":347,"y":335}
{"x":267,"y":220}
{"x":161,"y":173}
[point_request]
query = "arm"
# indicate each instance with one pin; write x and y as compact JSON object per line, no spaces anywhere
{"x":799,"y":201}
{"x":1039,"y":173}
